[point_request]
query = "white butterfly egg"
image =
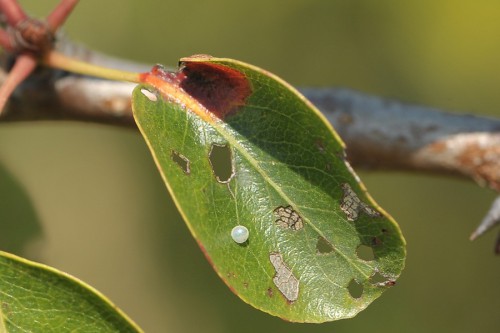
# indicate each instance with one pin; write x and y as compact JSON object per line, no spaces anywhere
{"x":240,"y":234}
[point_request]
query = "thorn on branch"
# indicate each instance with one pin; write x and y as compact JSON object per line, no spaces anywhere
{"x":60,"y":14}
{"x":491,"y":219}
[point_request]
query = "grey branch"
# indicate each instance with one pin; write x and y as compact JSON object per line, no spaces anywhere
{"x":379,"y":133}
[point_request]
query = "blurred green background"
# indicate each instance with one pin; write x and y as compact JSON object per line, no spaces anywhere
{"x":87,"y":199}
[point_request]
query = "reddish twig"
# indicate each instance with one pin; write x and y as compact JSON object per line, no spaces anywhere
{"x":6,"y":41}
{"x":29,"y":38}
{"x":24,"y":65}
{"x":13,"y":12}
{"x":60,"y":14}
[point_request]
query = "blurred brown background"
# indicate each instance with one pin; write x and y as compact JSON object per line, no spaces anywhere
{"x":87,"y":199}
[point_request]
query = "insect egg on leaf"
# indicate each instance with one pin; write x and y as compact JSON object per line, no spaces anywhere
{"x":240,"y":234}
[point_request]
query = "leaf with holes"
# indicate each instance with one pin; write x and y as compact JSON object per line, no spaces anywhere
{"x":318,"y":247}
{"x":38,"y":298}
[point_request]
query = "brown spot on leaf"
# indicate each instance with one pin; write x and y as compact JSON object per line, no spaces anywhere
{"x":218,"y":88}
{"x":270,"y":292}
{"x":288,"y":218}
{"x":351,"y":205}
{"x":5,"y":309}
{"x":284,"y":279}
{"x":201,"y":86}
{"x":376,"y":241}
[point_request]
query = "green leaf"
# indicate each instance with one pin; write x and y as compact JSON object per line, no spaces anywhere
{"x":319,"y":248}
{"x":38,"y":298}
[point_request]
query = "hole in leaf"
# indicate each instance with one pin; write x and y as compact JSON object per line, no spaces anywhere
{"x":365,"y":253}
{"x":355,"y":289}
{"x":182,"y":161}
{"x":150,"y":95}
{"x":381,"y":281}
{"x":323,"y":246}
{"x":377,"y":278}
{"x":221,"y":162}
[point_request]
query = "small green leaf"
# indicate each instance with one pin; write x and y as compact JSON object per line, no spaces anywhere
{"x":288,"y":183}
{"x":38,"y":298}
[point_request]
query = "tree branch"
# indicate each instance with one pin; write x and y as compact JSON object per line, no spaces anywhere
{"x":379,"y":133}
{"x":386,"y":134}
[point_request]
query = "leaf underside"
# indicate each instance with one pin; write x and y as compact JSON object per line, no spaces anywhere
{"x":308,"y":216}
{"x":37,"y":298}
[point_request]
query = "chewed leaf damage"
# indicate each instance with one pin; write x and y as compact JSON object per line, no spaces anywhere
{"x":182,"y":161}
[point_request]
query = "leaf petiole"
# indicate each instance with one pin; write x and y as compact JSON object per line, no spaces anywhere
{"x":58,"y":60}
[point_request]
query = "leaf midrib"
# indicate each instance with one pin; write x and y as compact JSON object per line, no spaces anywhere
{"x":253,"y":162}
